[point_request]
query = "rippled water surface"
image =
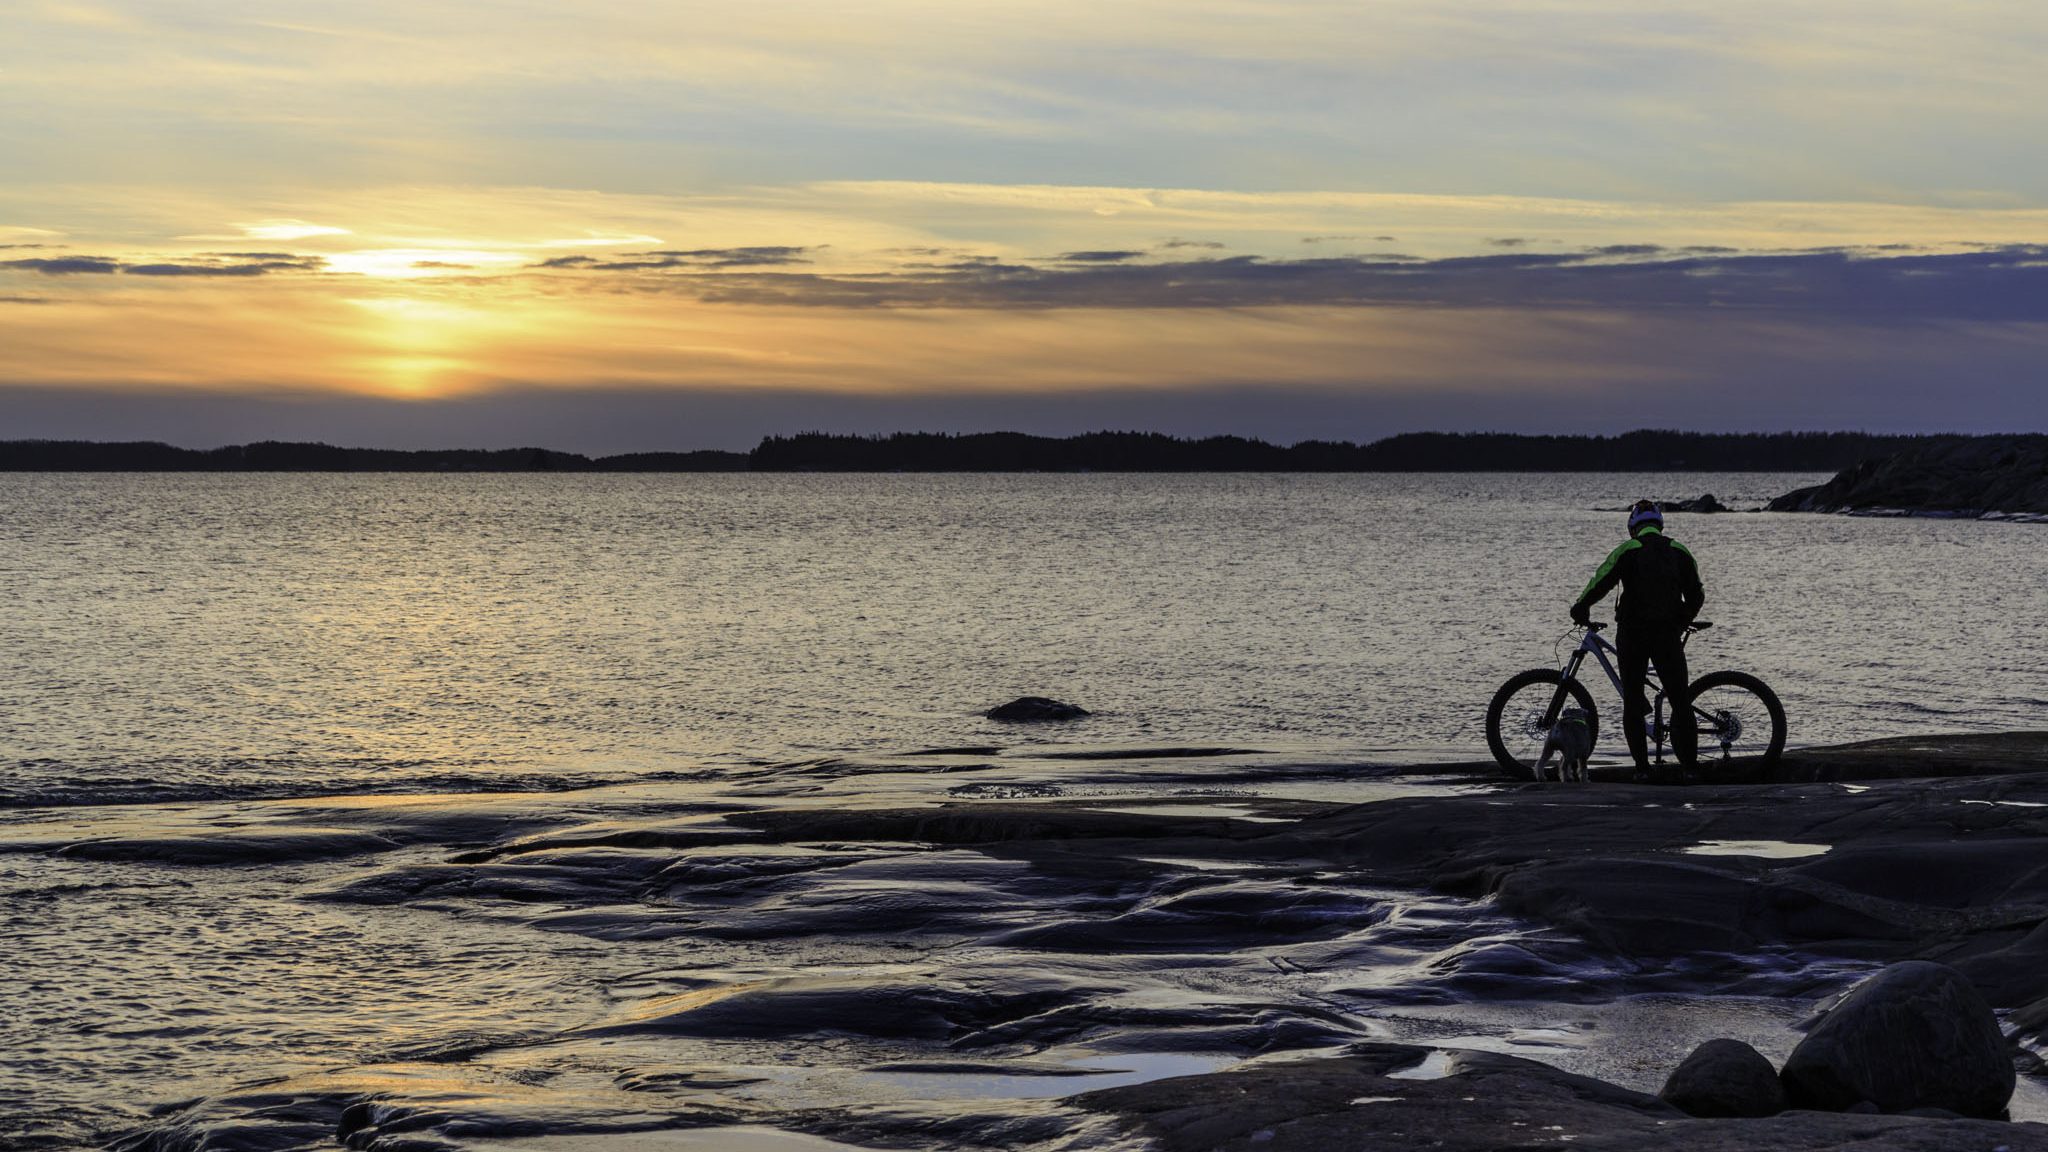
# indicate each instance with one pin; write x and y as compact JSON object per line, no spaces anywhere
{"x":276,"y":628}
{"x":298,"y":839}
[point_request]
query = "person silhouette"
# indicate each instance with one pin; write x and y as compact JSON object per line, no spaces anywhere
{"x":1661,"y":594}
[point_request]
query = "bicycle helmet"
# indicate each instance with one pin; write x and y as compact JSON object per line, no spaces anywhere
{"x":1644,"y":513}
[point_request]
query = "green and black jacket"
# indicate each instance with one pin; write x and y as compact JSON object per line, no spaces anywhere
{"x":1660,"y":582}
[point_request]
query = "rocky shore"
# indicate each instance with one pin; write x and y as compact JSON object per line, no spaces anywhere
{"x":2000,"y":477}
{"x":1164,"y":948}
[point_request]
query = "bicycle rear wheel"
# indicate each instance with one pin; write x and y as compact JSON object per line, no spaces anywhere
{"x":1519,"y":717}
{"x":1740,"y":724}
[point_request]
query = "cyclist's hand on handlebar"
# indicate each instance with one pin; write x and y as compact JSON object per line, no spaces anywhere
{"x":1581,"y":615}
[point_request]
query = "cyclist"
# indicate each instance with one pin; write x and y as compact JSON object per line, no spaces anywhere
{"x":1660,"y":595}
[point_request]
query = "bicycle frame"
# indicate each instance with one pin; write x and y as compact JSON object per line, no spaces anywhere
{"x":1598,"y":647}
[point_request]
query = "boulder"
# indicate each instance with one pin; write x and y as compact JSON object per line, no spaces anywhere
{"x":1725,"y":1078}
{"x":1036,"y":708}
{"x":1915,"y":1035}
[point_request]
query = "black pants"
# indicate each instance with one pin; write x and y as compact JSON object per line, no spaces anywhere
{"x":1664,"y":647}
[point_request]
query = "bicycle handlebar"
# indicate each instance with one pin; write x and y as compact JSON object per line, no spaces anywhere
{"x":1602,"y":626}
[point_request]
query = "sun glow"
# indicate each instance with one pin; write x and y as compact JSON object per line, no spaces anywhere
{"x":420,"y":348}
{"x":288,"y":230}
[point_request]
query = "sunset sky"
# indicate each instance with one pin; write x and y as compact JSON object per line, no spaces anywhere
{"x":613,"y":225}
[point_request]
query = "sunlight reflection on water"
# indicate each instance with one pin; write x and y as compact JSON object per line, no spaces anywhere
{"x":268,"y":627}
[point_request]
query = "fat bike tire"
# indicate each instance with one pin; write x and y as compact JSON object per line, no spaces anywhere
{"x":1514,"y":728}
{"x":1756,"y":715}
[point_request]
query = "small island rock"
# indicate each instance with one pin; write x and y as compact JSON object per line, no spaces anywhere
{"x":1725,"y":1078}
{"x":1915,"y":1035}
{"x":1036,"y":708}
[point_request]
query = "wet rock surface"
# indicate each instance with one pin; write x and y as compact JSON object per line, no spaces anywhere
{"x":1956,"y":477}
{"x":1915,"y":1035}
{"x":1066,"y":954}
{"x":1031,"y":708}
{"x":1484,"y":1102}
{"x":1725,"y":1078}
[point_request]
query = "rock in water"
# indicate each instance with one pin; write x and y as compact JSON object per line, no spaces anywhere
{"x":1036,"y":708}
{"x":1915,"y":1035}
{"x":1705,"y":503}
{"x":1725,"y":1078}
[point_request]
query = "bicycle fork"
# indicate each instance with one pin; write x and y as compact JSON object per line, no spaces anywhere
{"x":1563,"y":693}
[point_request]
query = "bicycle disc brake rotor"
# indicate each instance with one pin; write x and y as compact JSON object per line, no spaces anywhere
{"x":1730,"y":727}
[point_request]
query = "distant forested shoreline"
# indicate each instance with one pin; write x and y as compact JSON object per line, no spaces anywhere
{"x":1643,"y":451}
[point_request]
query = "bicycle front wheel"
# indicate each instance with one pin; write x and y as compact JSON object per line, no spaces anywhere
{"x":1518,"y":719}
{"x":1740,"y":723}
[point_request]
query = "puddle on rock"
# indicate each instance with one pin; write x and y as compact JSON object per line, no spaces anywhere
{"x":731,"y":1139}
{"x":1106,"y":1070}
{"x":1434,"y":1066}
{"x":1228,"y":811}
{"x":1769,"y":849}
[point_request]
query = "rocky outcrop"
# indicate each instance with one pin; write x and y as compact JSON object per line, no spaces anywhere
{"x":1725,"y":1078}
{"x":1978,"y":476}
{"x":1369,"y":1100}
{"x":1705,"y":503}
{"x":1036,"y":708}
{"x":1915,"y":1035}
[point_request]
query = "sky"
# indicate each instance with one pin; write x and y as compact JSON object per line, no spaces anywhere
{"x":625,"y":226}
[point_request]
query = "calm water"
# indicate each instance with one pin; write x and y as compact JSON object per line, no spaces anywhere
{"x":266,"y":630}
{"x":267,"y":654}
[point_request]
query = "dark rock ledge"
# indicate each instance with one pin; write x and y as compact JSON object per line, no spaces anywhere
{"x":1486,"y":1102}
{"x":1990,"y":477}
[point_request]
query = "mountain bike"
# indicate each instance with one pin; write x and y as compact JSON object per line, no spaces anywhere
{"x":1736,"y":716}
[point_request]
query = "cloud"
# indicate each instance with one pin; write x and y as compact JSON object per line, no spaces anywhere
{"x":1099,"y":256}
{"x":24,"y":300}
{"x":1177,"y":242}
{"x":65,"y":265}
{"x":225,"y":264}
{"x":1507,"y":241}
{"x":249,"y":268}
{"x":1710,"y":97}
{"x":750,"y":257}
{"x":288,"y":230}
{"x":1990,"y":284}
{"x":736,"y":257}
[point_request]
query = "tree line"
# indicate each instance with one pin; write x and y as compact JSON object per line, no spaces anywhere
{"x":1641,"y":451}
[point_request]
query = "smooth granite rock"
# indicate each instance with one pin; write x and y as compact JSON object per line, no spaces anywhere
{"x":1725,"y":1078}
{"x":1368,"y":1101}
{"x":1915,"y":1035}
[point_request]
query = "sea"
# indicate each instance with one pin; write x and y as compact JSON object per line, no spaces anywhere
{"x":250,"y":724}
